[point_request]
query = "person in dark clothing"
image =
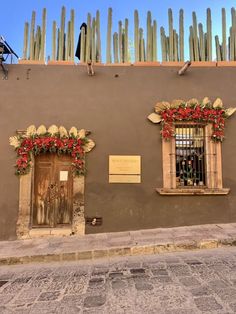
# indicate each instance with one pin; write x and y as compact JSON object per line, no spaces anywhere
{"x":77,"y":53}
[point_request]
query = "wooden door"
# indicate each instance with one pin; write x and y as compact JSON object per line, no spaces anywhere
{"x":53,"y":191}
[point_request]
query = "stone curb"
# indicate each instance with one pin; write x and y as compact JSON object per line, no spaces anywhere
{"x":148,"y":249}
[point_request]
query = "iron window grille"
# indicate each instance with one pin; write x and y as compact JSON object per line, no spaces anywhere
{"x":190,"y":169}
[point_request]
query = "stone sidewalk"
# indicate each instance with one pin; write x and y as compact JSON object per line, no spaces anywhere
{"x":91,"y":246}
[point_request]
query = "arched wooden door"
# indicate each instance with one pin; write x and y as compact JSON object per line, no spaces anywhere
{"x":53,"y":191}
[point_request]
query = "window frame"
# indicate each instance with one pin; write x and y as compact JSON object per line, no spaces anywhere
{"x":213,"y":167}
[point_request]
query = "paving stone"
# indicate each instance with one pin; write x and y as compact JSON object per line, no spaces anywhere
{"x":49,"y":296}
{"x":180,"y":270}
{"x":233,"y":307}
{"x":96,"y":282}
{"x":22,"y":280}
{"x":193,"y":262}
{"x":163,"y":279}
{"x":181,"y":311}
{"x":6,"y":298}
{"x":3,"y":282}
{"x":227,"y":294}
{"x":201,"y":291}
{"x":159,"y":272}
{"x":218,"y":285}
{"x":118,"y":284}
{"x":143,"y":286}
{"x":100,"y":271}
{"x":94,"y":301}
{"x":137,"y":271}
{"x":116,"y":275}
{"x":189,"y":281}
{"x":207,"y":304}
{"x":45,"y":308}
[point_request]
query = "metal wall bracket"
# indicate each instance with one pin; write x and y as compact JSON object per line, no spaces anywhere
{"x":93,"y":221}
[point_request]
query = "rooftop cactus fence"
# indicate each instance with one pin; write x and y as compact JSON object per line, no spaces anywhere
{"x":145,"y":47}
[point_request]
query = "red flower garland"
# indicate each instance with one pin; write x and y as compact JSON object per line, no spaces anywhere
{"x":41,"y":144}
{"x":195,"y":113}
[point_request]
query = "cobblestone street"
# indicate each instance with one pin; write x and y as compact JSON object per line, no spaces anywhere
{"x":189,"y":282}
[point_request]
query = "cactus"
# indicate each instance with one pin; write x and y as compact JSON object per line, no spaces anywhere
{"x":115,"y":47}
{"x":201,"y":43}
{"x":88,"y":39}
{"x":233,"y":17}
{"x":149,"y":37}
{"x":233,"y":14}
{"x":68,"y":41}
{"x":144,"y":58}
{"x":195,"y":37}
{"x":93,"y":37}
{"x":175,"y":37}
{"x":171,"y":39}
{"x":58,"y":42}
{"x":26,"y":36}
{"x":163,"y":44}
{"x":98,"y":37}
{"x":121,"y":54}
{"x":218,"y":50}
{"x":126,"y":41}
{"x":109,"y":29}
{"x":191,"y":49}
{"x":154,"y":41}
{"x":232,"y":44}
{"x":181,"y":35}
{"x":209,"y":35}
{"x":32,"y":30}
{"x":224,"y":48}
{"x":141,"y":46}
{"x":168,"y":48}
{"x":43,"y":36}
{"x":54,"y":40}
{"x":37,"y":43}
{"x":62,"y":34}
{"x":72,"y":35}
{"x":82,"y":45}
{"x":136,"y":36}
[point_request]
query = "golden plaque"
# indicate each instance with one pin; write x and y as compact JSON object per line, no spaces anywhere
{"x":124,"y":169}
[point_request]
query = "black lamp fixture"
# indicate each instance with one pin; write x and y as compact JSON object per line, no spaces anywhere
{"x":5,"y":51}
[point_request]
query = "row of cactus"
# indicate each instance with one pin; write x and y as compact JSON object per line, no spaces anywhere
{"x":63,"y":37}
{"x":119,"y":45}
{"x":35,"y":42}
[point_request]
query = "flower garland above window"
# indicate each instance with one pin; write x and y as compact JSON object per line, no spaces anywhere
{"x":193,"y":110}
{"x":54,"y":140}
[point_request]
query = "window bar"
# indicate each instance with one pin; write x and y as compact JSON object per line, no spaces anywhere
{"x":202,"y":154}
{"x":194,"y":134}
{"x":209,"y":163}
{"x":190,"y":156}
{"x":184,"y":154}
{"x":215,"y":167}
{"x":180,"y":157}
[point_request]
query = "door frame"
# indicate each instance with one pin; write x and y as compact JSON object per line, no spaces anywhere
{"x":24,"y":228}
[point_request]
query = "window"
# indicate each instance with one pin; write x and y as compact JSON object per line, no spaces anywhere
{"x":192,"y":162}
{"x":189,"y":155}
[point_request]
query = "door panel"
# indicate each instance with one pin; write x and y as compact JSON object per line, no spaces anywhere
{"x":53,"y":190}
{"x":65,"y":180}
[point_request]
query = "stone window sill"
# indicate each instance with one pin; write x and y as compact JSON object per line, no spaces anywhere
{"x":193,"y":191}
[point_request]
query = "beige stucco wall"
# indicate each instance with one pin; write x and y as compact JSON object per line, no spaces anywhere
{"x":114,"y":105}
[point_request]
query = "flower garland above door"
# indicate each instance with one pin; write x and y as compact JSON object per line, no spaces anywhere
{"x":54,"y":140}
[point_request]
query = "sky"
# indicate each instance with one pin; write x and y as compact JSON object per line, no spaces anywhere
{"x":15,"y":13}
